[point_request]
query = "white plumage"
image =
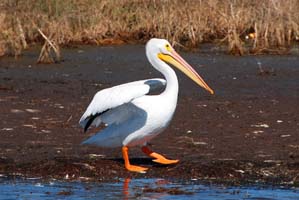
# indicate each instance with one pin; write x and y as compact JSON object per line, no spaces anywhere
{"x":122,"y":111}
{"x":132,"y":115}
{"x":116,"y":96}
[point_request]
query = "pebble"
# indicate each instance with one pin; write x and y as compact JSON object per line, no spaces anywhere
{"x":46,"y":131}
{"x":283,"y":136}
{"x":16,"y":111}
{"x":32,"y":110}
{"x":240,"y":171}
{"x":257,"y":131}
{"x":29,"y":125}
{"x":261,"y":125}
{"x":66,"y":176}
{"x":7,"y":129}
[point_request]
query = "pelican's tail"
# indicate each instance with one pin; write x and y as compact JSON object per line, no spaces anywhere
{"x":109,"y":137}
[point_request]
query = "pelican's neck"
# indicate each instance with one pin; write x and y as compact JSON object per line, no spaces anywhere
{"x":172,"y":86}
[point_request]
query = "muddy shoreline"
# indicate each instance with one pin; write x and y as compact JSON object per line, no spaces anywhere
{"x":248,"y":132}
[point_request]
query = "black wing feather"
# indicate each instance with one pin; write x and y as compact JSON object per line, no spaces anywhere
{"x":91,"y":118}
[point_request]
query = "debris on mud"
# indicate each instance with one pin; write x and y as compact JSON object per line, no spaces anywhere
{"x":244,"y":133}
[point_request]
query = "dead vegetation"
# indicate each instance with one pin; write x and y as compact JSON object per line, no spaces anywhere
{"x":50,"y":52}
{"x":188,"y":23}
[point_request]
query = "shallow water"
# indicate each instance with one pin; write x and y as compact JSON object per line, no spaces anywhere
{"x":137,"y":189}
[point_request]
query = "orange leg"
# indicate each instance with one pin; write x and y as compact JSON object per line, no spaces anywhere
{"x":158,"y":158}
{"x":128,"y":166}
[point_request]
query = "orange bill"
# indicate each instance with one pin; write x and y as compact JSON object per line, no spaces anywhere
{"x":176,"y":60}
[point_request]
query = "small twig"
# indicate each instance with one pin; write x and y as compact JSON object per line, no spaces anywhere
{"x":174,"y":43}
{"x":47,"y":39}
{"x":45,"y":52}
{"x":22,"y":35}
{"x":69,"y":119}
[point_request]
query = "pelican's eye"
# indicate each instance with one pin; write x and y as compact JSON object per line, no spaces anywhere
{"x":167,"y":46}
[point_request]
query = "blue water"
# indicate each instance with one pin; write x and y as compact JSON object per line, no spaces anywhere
{"x":137,"y":189}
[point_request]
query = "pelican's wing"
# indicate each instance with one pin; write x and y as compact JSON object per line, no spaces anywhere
{"x":113,"y":97}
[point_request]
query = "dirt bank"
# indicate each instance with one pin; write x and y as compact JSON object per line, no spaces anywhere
{"x":248,"y":131}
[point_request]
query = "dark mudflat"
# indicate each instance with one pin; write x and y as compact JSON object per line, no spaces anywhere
{"x":248,"y":131}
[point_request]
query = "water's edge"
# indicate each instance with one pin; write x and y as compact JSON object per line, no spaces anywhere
{"x":36,"y":188}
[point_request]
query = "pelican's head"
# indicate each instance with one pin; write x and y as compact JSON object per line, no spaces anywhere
{"x":165,"y":52}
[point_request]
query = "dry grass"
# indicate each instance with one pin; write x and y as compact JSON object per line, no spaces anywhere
{"x":50,"y":51}
{"x":188,"y":22}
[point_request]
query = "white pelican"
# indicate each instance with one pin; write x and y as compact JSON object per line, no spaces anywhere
{"x":132,"y":116}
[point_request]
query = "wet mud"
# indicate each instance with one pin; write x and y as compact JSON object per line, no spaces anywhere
{"x":247,"y":132}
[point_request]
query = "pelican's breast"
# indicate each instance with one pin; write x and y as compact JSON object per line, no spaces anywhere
{"x":159,"y":112}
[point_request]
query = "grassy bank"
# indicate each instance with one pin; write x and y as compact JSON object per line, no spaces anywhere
{"x":188,"y":22}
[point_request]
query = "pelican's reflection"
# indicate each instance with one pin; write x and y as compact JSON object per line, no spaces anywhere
{"x":126,"y":188}
{"x":148,"y":189}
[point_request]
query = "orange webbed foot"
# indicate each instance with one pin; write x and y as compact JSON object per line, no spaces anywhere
{"x":132,"y":168}
{"x":165,"y":161}
{"x":158,"y":158}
